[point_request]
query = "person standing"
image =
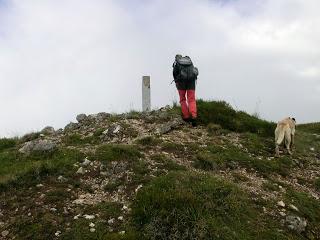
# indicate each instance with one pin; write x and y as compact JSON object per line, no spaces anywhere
{"x":185,"y":76}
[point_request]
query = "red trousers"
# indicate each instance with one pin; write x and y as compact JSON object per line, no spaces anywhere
{"x":188,"y":103}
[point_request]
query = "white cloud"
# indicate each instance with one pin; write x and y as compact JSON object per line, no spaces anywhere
{"x":60,"y":58}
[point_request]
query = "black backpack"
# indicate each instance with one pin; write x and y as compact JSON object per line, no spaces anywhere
{"x":187,"y":72}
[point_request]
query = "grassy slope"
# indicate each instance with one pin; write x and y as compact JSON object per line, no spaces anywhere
{"x":179,"y":200}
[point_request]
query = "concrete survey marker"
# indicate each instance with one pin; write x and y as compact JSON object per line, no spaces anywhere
{"x":146,"y":95}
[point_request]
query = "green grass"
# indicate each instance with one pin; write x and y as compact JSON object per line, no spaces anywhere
{"x":117,"y":152}
{"x":19,"y":170}
{"x":149,"y":141}
{"x":310,"y":127}
{"x":317,"y":184}
{"x":196,"y":206}
{"x":215,"y":157}
{"x":77,"y":139}
{"x":309,"y":208}
{"x":163,"y":162}
{"x":221,"y":113}
{"x":6,"y":143}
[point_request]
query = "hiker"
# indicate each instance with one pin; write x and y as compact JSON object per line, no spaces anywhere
{"x":185,"y":76}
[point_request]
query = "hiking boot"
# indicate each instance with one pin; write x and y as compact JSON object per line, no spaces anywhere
{"x":193,"y":122}
{"x":187,"y":120}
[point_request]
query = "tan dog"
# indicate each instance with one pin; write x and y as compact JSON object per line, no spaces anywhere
{"x":285,"y":131}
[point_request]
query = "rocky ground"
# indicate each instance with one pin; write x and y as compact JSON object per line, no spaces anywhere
{"x":118,"y":155}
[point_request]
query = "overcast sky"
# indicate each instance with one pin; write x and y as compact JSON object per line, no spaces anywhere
{"x":59,"y":58}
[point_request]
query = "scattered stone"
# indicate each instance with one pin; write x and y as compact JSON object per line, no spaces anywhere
{"x":137,"y":189}
{"x":167,"y":127}
{"x":53,"y":209}
{"x":103,"y":173}
{"x":122,"y":232}
{"x":48,"y":130}
{"x":92,"y":225}
{"x":57,"y":233}
{"x":76,"y":217}
{"x":120,"y":218}
{"x":296,"y":223}
{"x":4,"y":233}
{"x":71,"y":126}
{"x":40,"y":145}
{"x":92,"y":229}
{"x":125,"y":208}
{"x":81,"y":171}
{"x":117,"y":129}
{"x":282,"y":214}
{"x":39,"y":185}
{"x":312,"y":149}
{"x":62,"y":179}
{"x":86,"y":162}
{"x":79,"y":201}
{"x":81,"y":117}
{"x":105,"y":131}
{"x":111,"y":221}
{"x":86,"y":216}
{"x":102,"y":116}
{"x":293,"y":207}
{"x":281,"y":204}
{"x":29,"y":214}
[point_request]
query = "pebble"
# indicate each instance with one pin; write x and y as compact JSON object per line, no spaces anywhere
{"x":122,"y":232}
{"x":86,"y":216}
{"x":137,"y":189}
{"x":291,"y":206}
{"x":92,"y":229}
{"x":283,"y":214}
{"x":281,"y":204}
{"x":111,"y":221}
{"x":4,"y":233}
{"x":92,"y":225}
{"x":53,"y":209}
{"x":120,"y":218}
{"x":39,"y":185}
{"x":86,"y":162}
{"x":62,"y":179}
{"x":57,"y":233}
{"x":77,"y":216}
{"x":312,"y":149}
{"x":81,"y":171}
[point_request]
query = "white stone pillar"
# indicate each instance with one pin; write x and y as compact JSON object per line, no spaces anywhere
{"x":146,"y":96}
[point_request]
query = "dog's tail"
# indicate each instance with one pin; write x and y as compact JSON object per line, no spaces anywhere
{"x":279,"y":135}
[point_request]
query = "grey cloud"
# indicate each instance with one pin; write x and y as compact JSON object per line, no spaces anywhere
{"x":60,"y":58}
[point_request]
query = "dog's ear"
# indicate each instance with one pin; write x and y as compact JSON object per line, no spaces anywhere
{"x":293,"y":119}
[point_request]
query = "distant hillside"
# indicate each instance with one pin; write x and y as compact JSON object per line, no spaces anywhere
{"x":310,"y":127}
{"x":152,"y":176}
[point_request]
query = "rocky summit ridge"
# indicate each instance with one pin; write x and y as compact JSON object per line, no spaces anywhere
{"x":152,"y":176}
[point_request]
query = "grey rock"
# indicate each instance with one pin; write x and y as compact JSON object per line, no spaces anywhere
{"x":62,"y":179}
{"x":81,"y":171}
{"x":281,"y":204}
{"x":169,"y":126}
{"x":4,"y":233}
{"x":293,"y":207}
{"x":81,"y":117}
{"x":102,"y":116}
{"x":296,"y":223}
{"x":71,"y":126}
{"x":117,"y":129}
{"x":48,"y":130}
{"x":38,"y":145}
{"x":86,"y":162}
